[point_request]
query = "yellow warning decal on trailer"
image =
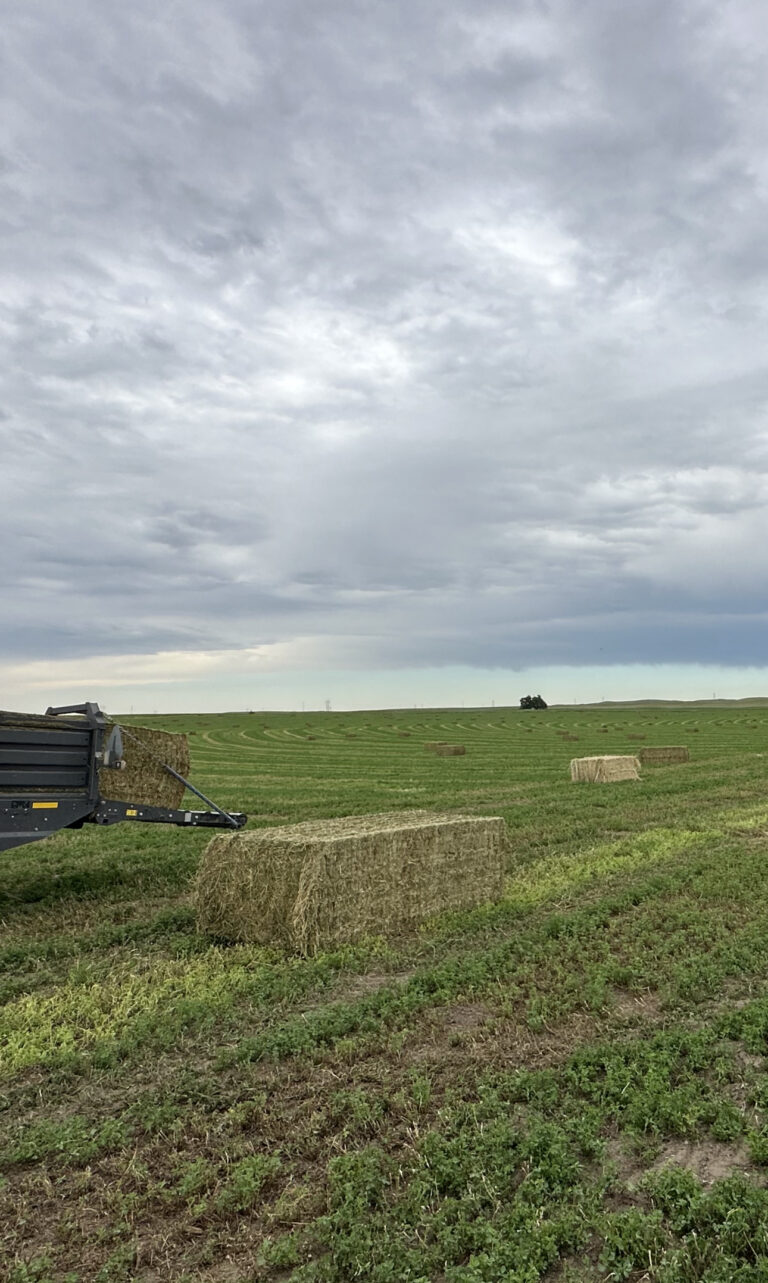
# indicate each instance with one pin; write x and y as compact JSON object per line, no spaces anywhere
{"x":129,"y":812}
{"x":44,"y":806}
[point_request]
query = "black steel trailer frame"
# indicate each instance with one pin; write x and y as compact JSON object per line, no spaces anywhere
{"x":49,"y":778}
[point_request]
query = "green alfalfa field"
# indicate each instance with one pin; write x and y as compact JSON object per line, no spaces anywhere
{"x":571,"y":1084}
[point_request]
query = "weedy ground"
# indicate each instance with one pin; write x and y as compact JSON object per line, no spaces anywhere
{"x":571,"y":1084}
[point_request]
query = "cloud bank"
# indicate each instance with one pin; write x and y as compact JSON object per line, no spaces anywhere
{"x":383,"y":337}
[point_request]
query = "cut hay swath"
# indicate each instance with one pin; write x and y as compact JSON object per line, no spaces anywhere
{"x":664,"y":755}
{"x":144,"y":779}
{"x":605,"y":770}
{"x":324,"y":883}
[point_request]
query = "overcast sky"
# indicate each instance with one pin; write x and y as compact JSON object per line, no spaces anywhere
{"x":387,"y":352}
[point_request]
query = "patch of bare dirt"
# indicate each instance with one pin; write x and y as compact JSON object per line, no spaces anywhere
{"x":749,"y":1061}
{"x":470,"y":1033}
{"x":709,"y":1160}
{"x":225,"y":1271}
{"x":631,"y":1005}
{"x":575,"y":1268}
{"x":464,"y":1015}
{"x":735,"y":994}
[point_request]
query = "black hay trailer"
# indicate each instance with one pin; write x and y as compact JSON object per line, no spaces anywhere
{"x":49,"y":778}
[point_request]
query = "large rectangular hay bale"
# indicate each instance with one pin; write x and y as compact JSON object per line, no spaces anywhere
{"x":324,"y":883}
{"x":605,"y":770}
{"x":144,"y":779}
{"x":663,"y":755}
{"x":449,"y":750}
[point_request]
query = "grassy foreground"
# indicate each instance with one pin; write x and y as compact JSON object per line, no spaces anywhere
{"x":569,"y":1085}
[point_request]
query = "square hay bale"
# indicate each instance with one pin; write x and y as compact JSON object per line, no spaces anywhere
{"x":605,"y":770}
{"x":449,"y":750}
{"x":144,"y":779}
{"x":317,"y":885}
{"x":664,"y":755}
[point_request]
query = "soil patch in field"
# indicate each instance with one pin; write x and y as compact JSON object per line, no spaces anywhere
{"x":709,"y":1160}
{"x":630,"y":1005}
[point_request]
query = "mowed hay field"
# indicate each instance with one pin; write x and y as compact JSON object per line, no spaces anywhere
{"x":571,"y":1084}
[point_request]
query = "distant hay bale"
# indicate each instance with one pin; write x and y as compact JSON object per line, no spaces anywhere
{"x":450,"y":750}
{"x":665,"y":755}
{"x":144,"y":779}
{"x":573,"y":739}
{"x":404,"y":735}
{"x":605,"y":770}
{"x":635,"y":737}
{"x":320,"y":884}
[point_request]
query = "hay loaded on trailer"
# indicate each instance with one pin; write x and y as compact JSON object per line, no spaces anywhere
{"x":56,"y":772}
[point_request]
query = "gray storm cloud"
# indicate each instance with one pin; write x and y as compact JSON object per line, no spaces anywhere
{"x":438,"y":331}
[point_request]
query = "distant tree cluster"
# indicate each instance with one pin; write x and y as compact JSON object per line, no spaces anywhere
{"x":532,"y":701}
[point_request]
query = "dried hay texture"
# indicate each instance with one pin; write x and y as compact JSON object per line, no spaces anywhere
{"x":144,"y":779}
{"x":448,"y":750}
{"x":605,"y":770}
{"x":36,"y":721}
{"x":664,"y":755}
{"x":318,"y":885}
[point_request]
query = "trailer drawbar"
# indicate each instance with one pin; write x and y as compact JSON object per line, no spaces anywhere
{"x":49,"y":778}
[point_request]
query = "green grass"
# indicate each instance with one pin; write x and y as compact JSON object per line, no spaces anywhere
{"x":568,"y":1084}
